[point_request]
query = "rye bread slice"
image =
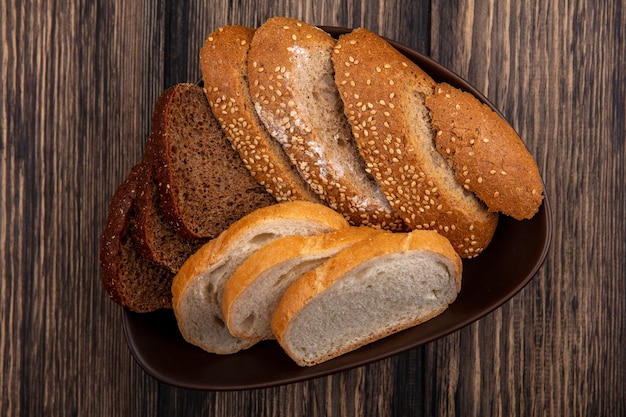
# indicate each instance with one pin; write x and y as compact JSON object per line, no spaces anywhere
{"x":204,"y":186}
{"x":155,"y":236}
{"x":129,"y":278}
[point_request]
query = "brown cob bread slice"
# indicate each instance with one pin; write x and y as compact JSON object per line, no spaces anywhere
{"x":223,"y":60}
{"x":487,"y":155}
{"x":291,"y":83}
{"x":383,"y":94}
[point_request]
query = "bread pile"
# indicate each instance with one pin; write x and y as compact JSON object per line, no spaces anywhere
{"x":315,"y":190}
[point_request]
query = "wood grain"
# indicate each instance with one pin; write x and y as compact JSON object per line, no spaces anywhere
{"x":556,"y":74}
{"x":78,"y":80}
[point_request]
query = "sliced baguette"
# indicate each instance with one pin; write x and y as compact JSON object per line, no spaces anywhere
{"x":383,"y":94}
{"x":374,"y":288}
{"x":199,"y":285}
{"x":204,"y":186}
{"x":487,"y":155}
{"x":223,"y":60}
{"x":130,"y":280}
{"x":253,"y":291}
{"x":292,"y":87}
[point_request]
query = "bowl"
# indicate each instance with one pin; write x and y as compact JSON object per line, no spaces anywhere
{"x":513,"y":257}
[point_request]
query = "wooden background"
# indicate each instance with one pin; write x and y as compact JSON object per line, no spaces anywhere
{"x":78,"y":80}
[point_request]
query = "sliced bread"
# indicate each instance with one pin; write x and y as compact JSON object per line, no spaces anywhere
{"x":375,"y":288}
{"x":383,"y":94}
{"x":252,"y":293}
{"x":223,"y":60}
{"x":198,"y":287}
{"x":204,"y":186}
{"x":129,"y":278}
{"x":487,"y":155}
{"x":156,"y":238}
{"x":292,"y":87}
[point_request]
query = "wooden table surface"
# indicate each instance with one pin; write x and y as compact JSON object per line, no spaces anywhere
{"x":78,"y":79}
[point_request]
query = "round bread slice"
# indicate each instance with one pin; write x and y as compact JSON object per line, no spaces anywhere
{"x":198,"y":287}
{"x":254,"y":290}
{"x":368,"y":291}
{"x":487,"y":155}
{"x":223,"y":60}
{"x":383,"y":94}
{"x":293,"y":90}
{"x":130,"y":280}
{"x":204,"y":186}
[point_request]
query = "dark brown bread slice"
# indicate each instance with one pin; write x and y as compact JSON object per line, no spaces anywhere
{"x":155,"y":236}
{"x":223,"y":60}
{"x":129,"y":278}
{"x":487,"y":155}
{"x":383,"y":94}
{"x":204,"y":186}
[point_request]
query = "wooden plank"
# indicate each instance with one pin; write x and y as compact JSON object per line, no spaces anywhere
{"x":77,"y":86}
{"x":189,"y":23}
{"x":556,"y":72}
{"x":74,"y":95}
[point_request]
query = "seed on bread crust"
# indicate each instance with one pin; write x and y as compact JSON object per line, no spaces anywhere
{"x":223,"y":59}
{"x":292,"y":86}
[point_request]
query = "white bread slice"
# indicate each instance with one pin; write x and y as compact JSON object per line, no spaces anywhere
{"x":254,"y":290}
{"x":375,"y":288}
{"x":223,"y":60}
{"x":383,"y":94}
{"x":198,"y":286}
{"x":292,"y":86}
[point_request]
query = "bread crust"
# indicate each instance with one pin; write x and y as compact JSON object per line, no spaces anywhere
{"x":314,"y":283}
{"x":220,"y":202}
{"x":383,"y":94}
{"x":115,"y":230}
{"x":487,"y":155}
{"x":223,"y":60}
{"x":284,"y":55}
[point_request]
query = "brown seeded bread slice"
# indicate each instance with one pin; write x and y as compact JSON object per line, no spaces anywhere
{"x":198,"y":287}
{"x":252,"y":293}
{"x":204,"y":186}
{"x":383,"y":94}
{"x":292,"y":87}
{"x":223,"y":60}
{"x":376,"y":287}
{"x":154,"y":235}
{"x":487,"y":155}
{"x":128,"y":278}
